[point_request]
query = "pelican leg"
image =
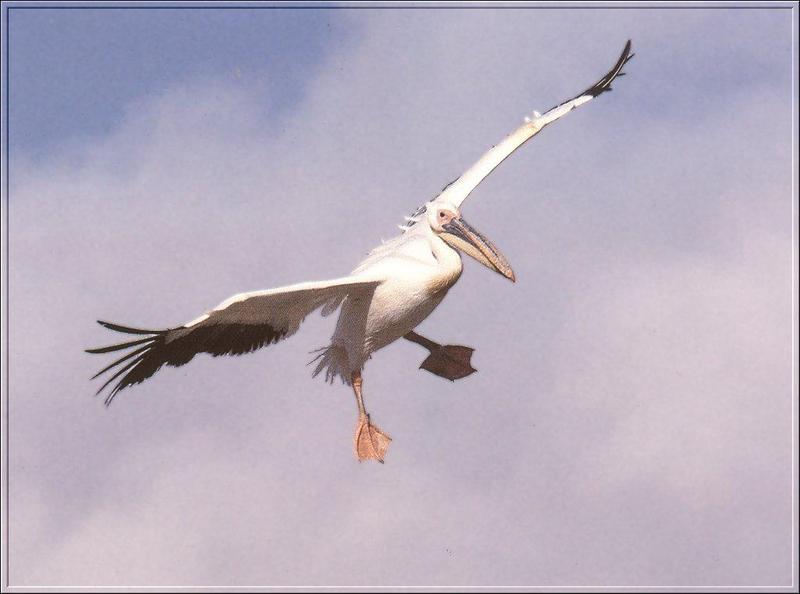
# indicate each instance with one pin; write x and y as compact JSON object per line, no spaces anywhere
{"x":450,"y":361}
{"x":369,"y":441}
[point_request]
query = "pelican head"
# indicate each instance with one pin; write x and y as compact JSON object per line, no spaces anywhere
{"x":447,"y":223}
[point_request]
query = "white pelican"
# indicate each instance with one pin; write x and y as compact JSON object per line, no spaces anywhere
{"x":393,"y":290}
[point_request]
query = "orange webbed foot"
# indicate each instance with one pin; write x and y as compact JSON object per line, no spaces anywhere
{"x":370,"y":442}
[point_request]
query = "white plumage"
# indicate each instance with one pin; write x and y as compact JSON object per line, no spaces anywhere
{"x":414,"y":272}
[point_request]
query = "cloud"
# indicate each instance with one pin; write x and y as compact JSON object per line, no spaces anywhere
{"x":630,"y":421}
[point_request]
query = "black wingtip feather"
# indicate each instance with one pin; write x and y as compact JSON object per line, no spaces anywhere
{"x":121,"y":360}
{"x":119,"y":347}
{"x":604,"y":84}
{"x":176,"y":347}
{"x":145,"y":345}
{"x":118,"y":373}
{"x":127,"y":329}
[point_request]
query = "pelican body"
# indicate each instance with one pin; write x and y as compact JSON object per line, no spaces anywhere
{"x":416,"y":271}
{"x":384,"y":299}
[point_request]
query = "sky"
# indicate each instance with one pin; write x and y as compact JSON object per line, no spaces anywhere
{"x":631,"y":420}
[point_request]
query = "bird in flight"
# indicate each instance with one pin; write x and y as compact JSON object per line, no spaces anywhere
{"x":384,"y":299}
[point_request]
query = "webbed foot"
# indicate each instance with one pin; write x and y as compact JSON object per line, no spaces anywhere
{"x":370,"y":442}
{"x":450,"y":361}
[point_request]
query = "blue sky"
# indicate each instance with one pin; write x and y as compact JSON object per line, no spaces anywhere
{"x":630,"y":424}
{"x":98,"y":61}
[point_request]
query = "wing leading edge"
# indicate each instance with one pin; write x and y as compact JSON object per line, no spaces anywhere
{"x":456,"y":192}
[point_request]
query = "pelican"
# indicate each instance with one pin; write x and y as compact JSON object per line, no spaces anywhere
{"x":384,"y":299}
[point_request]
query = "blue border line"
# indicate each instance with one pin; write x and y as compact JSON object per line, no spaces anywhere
{"x":8,"y":315}
{"x":399,"y":7}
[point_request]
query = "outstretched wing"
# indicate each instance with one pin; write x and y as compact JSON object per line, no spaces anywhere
{"x":238,"y":325}
{"x":455,"y":193}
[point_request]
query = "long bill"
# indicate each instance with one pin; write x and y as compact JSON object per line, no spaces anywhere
{"x":462,"y":236}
